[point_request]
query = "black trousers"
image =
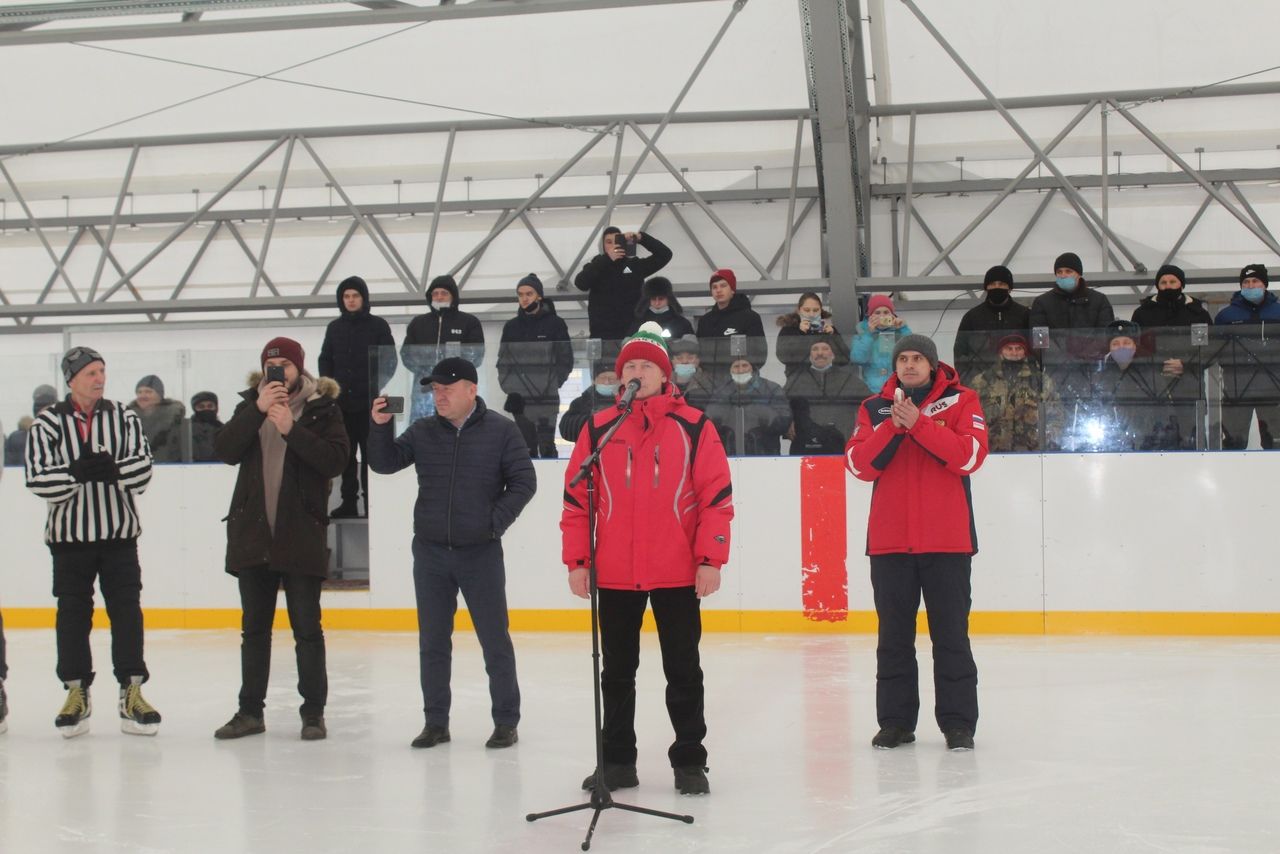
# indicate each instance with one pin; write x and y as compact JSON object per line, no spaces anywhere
{"x":258,"y":589}
{"x":677,"y":612}
{"x":117,"y":572}
{"x":898,"y":580}
{"x":543,"y":413}
{"x":357,"y":424}
{"x":478,"y":572}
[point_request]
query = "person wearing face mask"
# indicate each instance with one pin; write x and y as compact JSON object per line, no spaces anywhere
{"x":204,"y":425}
{"x":613,"y":280}
{"x":444,"y":331}
{"x":1020,"y":403}
{"x":1248,"y":377}
{"x":602,"y":393}
{"x":824,"y":400}
{"x":1075,"y":315}
{"x":534,"y":360}
{"x":1130,"y":407}
{"x":687,"y":373}
{"x":798,"y":330}
{"x":1164,"y":318}
{"x":877,"y":334}
{"x":658,"y":304}
{"x":998,"y":315}
{"x":751,"y":412}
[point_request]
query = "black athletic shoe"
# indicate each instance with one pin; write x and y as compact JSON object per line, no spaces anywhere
{"x":313,"y":728}
{"x":959,"y":739}
{"x":891,"y":736}
{"x":503,"y":736}
{"x":345,"y":510}
{"x":430,"y":736}
{"x":615,"y":777}
{"x":692,"y":780}
{"x":239,"y":726}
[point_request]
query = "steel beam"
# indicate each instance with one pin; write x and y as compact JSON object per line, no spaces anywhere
{"x":60,"y":263}
{"x":1248,"y":208}
{"x":971,"y":186}
{"x":435,"y":214}
{"x":693,"y":238}
{"x":191,"y":266}
{"x":1186,"y":232}
{"x":271,"y":218}
{"x":266,"y":280}
{"x":909,"y":194}
{"x":791,"y":235}
{"x":115,"y":221}
{"x":115,"y":264}
{"x":35,"y":225}
{"x":537,"y":238}
{"x":791,"y":202}
{"x":928,"y":232}
{"x":332,"y":262}
{"x":276,"y":23}
{"x":1031,"y":223}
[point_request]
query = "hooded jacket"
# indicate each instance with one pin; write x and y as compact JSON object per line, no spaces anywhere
{"x":162,"y":425}
{"x":793,"y":343}
{"x":921,"y":502}
{"x":428,"y":334}
{"x":716,"y":329}
{"x":535,"y":356}
{"x":673,"y":322}
{"x":472,"y":482}
{"x":759,"y":409}
{"x":873,"y":352}
{"x":663,"y":494}
{"x":345,"y":354}
{"x":613,"y":287}
{"x":980,"y":332}
{"x":316,"y":450}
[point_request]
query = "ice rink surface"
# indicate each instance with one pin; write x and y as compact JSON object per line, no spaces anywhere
{"x":1084,"y":745}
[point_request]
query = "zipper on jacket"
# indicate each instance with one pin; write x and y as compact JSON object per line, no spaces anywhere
{"x":655,"y":468}
{"x":628,"y":468}
{"x":453,"y":477}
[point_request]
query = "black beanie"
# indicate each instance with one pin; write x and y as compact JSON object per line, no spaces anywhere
{"x":204,"y":397}
{"x":998,"y":273}
{"x":1254,"y":271}
{"x":1171,"y":270}
{"x":532,"y":281}
{"x":1070,"y":260}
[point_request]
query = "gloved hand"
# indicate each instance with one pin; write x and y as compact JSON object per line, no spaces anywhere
{"x":98,"y":467}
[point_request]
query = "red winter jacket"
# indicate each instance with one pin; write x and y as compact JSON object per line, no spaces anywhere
{"x":663,"y":497}
{"x":921,"y":501}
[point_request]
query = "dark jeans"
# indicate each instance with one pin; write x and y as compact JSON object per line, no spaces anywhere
{"x":897,"y":581}
{"x":116,"y":569}
{"x":258,"y":589}
{"x":676,"y":610}
{"x":357,"y":424}
{"x":543,"y":414}
{"x":4,"y":666}
{"x":1237,"y":419}
{"x":439,"y":574}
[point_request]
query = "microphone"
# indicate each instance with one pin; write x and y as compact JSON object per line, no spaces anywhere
{"x":629,"y":394}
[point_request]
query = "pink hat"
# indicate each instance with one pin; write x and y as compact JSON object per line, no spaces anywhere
{"x":880,"y":301}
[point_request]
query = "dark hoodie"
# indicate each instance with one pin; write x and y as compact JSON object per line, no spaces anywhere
{"x":535,"y":356}
{"x":614,"y":287}
{"x":673,"y":322}
{"x":980,"y":332}
{"x":345,"y":355}
{"x":428,"y":334}
{"x":716,"y":329}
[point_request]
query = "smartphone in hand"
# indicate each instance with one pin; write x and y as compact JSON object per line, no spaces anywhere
{"x":393,"y":405}
{"x":275,"y":374}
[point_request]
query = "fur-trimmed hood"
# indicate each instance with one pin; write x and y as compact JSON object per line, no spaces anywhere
{"x":793,"y":319}
{"x":325,"y":386}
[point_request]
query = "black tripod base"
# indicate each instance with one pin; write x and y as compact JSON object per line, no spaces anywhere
{"x":601,"y":801}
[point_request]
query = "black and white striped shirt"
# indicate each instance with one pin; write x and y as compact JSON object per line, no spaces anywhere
{"x":82,"y":513}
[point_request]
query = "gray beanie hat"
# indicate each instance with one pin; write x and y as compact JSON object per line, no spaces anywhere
{"x":919,"y":343}
{"x":77,"y":359}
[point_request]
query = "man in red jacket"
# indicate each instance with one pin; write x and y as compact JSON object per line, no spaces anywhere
{"x":918,"y":441}
{"x":664,"y":503}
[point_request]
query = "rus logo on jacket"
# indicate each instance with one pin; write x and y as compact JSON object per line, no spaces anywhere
{"x":921,"y":501}
{"x":663,"y":496}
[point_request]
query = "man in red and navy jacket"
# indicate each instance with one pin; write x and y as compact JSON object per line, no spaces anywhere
{"x":664,"y":504}
{"x":918,"y":441}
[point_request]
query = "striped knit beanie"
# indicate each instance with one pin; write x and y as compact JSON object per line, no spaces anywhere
{"x":647,"y":343}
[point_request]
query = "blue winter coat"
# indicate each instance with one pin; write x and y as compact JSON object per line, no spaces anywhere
{"x":472,"y":482}
{"x":873,"y":352}
{"x":1240,"y":310}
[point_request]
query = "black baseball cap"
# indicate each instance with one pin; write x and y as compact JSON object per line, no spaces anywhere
{"x":449,"y":371}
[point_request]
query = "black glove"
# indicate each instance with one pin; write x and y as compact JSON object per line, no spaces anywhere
{"x":99,"y":467}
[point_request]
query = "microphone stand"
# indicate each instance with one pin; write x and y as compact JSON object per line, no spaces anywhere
{"x":601,"y":799}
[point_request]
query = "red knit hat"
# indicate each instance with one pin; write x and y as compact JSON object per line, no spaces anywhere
{"x":880,"y":301}
{"x":647,"y":343}
{"x":284,"y":348}
{"x":728,"y":276}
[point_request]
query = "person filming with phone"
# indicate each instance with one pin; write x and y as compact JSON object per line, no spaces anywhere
{"x":474,"y":478}
{"x":288,"y":439}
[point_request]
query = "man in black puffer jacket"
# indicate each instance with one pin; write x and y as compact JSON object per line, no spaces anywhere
{"x":474,"y":478}
{"x":534,"y":359}
{"x":444,"y":331}
{"x":988,"y":323}
{"x":731,"y":315}
{"x":1076,"y":316}
{"x":346,"y":357}
{"x":613,"y":282}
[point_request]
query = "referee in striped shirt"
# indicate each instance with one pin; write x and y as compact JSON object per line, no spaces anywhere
{"x":88,"y":459}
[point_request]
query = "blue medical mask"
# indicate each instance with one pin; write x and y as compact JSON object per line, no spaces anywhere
{"x":684,"y":370}
{"x":663,"y":310}
{"x":1067,"y":283}
{"x":1253,"y":295}
{"x":606,"y":390}
{"x":1122,"y":356}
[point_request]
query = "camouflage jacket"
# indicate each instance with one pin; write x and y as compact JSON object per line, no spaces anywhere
{"x":1014,"y":405}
